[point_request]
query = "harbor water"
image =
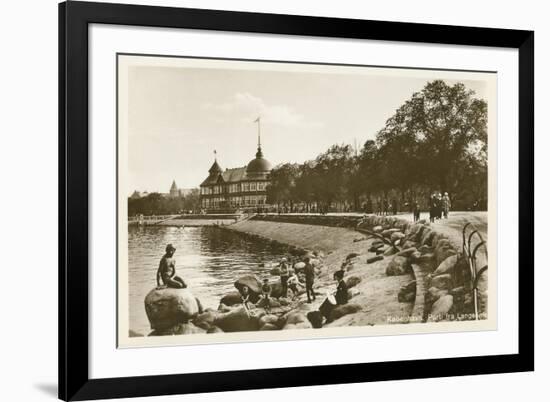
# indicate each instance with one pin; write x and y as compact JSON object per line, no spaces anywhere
{"x":208,"y":258}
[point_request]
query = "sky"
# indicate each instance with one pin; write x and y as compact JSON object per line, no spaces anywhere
{"x":179,"y":114}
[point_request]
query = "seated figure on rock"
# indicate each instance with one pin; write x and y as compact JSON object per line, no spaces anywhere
{"x":166,"y":272}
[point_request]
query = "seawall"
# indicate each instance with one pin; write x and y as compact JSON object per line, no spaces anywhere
{"x":432,"y":256}
{"x":396,"y":271}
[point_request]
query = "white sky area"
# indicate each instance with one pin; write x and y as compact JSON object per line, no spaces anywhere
{"x":178,"y":116}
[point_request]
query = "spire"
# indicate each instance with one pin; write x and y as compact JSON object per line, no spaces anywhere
{"x":215,"y":168}
{"x":173,"y":187}
{"x":259,"y":154}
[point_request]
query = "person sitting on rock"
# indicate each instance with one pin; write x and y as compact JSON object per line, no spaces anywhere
{"x":293,"y":283}
{"x":342,"y":288}
{"x":266,"y":291}
{"x":245,"y":296}
{"x":166,"y":272}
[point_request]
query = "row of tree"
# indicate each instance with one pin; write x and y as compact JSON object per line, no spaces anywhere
{"x":435,"y":142}
{"x":158,"y":204}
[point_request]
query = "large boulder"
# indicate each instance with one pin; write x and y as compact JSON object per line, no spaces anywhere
{"x":296,"y":320}
{"x":344,"y":309}
{"x":277,"y":290}
{"x":275,"y":271}
{"x":179,"y":329}
{"x":269,"y":327}
{"x":352,"y":281}
{"x":374,"y":259}
{"x":433,"y":294}
{"x":188,"y":328}
{"x":268,"y":319}
{"x":295,"y":317}
{"x":315,"y":318}
{"x":407,"y":244}
{"x":396,"y":236}
{"x":407,"y":252}
{"x":399,"y":265}
{"x":443,"y":253}
{"x":214,"y":330}
{"x":441,"y":308}
{"x":446,"y":266}
{"x":424,"y":259}
{"x":236,"y":320}
{"x":253,"y":283}
{"x":231,"y":299}
{"x":206,"y":319}
{"x":427,"y":237}
{"x":442,"y":281}
{"x":168,"y":307}
{"x":407,"y":293}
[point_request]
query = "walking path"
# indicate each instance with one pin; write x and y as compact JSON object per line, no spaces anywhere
{"x":377,"y":291}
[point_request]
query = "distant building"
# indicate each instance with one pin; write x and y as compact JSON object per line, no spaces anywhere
{"x":236,"y":188}
{"x":174,"y":192}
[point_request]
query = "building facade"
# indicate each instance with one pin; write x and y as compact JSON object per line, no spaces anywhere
{"x":237,"y":188}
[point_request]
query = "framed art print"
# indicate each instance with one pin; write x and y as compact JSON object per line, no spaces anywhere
{"x":252,"y":200}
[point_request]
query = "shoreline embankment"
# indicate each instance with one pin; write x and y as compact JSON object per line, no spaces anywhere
{"x":397,"y":272}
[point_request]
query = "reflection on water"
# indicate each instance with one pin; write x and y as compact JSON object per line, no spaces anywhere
{"x":209,"y":259}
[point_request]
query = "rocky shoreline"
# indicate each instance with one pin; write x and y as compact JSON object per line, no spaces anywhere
{"x":396,"y":271}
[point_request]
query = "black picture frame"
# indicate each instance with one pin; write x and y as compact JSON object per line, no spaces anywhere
{"x":74,"y":18}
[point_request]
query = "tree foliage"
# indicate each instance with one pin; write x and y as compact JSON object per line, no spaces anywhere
{"x":435,"y":141}
{"x":158,"y":204}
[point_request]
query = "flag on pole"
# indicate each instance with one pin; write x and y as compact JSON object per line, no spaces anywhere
{"x":257,"y":119}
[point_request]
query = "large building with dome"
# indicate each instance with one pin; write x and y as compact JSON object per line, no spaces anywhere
{"x":236,"y":188}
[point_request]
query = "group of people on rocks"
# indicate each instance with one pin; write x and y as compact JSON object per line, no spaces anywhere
{"x":291,"y":278}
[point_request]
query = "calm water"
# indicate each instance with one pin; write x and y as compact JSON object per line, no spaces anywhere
{"x":209,"y":259}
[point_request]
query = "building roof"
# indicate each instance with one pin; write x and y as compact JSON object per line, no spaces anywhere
{"x":258,"y":164}
{"x":234,"y":175}
{"x":173,"y":187}
{"x":211,"y":179}
{"x":215,"y":168}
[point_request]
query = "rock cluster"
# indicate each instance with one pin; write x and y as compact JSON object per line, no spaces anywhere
{"x":418,"y":243}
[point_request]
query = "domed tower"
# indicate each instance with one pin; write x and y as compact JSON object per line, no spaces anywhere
{"x":259,"y":167}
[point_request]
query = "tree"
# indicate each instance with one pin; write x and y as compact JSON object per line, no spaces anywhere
{"x":333,"y":170}
{"x":281,"y":189}
{"x":436,"y":130}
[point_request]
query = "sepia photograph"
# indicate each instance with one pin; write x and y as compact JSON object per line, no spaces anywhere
{"x":267,"y":200}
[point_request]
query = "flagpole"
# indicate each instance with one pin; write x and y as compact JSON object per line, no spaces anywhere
{"x":258,"y":120}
